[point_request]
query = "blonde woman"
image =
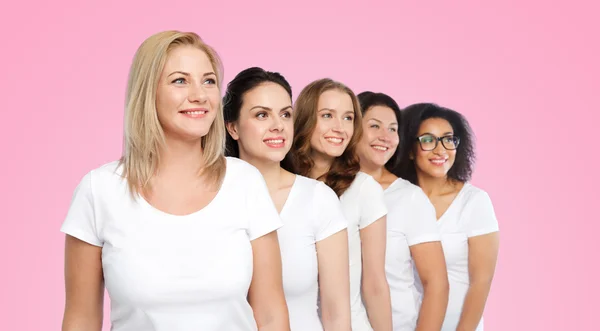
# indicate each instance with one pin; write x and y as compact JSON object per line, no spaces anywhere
{"x":157,"y":228}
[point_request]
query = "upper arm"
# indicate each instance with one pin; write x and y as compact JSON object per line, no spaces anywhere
{"x":334,"y":274}
{"x":84,"y":285}
{"x":266,"y":287}
{"x":429,"y":261}
{"x":373,"y":243}
{"x":483,"y":254}
{"x":481,"y":227}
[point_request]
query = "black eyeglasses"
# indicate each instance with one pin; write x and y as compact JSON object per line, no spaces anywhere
{"x":429,"y":142}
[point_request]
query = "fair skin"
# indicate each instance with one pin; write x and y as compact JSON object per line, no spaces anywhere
{"x":264,"y":132}
{"x":187,"y":102}
{"x":432,"y":169}
{"x":378,"y":144}
{"x":334,"y":129}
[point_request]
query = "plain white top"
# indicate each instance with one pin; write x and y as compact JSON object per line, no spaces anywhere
{"x":411,"y":220}
{"x":363,"y":204}
{"x":165,"y":272}
{"x":470,"y":214}
{"x":311,"y":213}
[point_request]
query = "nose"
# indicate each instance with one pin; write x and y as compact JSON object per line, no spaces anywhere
{"x":337,"y":125}
{"x":197,"y":94}
{"x":277,"y":124}
{"x":439,"y":149}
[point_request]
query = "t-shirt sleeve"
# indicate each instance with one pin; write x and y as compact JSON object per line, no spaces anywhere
{"x":372,"y":203}
{"x":329,"y":217}
{"x":263,"y":217}
{"x":480,"y":218}
{"x":421,"y":222}
{"x":81,"y":221}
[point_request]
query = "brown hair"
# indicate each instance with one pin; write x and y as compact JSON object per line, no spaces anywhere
{"x":342,"y":172}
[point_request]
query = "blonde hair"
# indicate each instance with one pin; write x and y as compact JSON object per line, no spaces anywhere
{"x":143,"y":133}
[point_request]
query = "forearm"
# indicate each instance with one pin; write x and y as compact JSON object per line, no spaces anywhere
{"x":278,"y":319}
{"x":378,"y":304}
{"x":434,"y":305}
{"x":473,"y":306}
{"x":74,"y":321}
{"x":336,"y":318}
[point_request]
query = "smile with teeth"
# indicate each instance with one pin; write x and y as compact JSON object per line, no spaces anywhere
{"x":438,"y":161}
{"x":334,"y":140}
{"x":274,"y":141}
{"x":195,"y":112}
{"x":380,"y":148}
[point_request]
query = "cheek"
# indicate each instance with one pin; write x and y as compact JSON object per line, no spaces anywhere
{"x":250,"y":131}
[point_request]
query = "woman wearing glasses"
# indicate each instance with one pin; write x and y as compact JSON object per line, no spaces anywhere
{"x":438,"y":156}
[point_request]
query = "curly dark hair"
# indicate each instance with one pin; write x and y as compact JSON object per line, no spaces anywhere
{"x":412,"y":117}
{"x":370,"y":99}
{"x":342,"y":172}
{"x":245,"y":81}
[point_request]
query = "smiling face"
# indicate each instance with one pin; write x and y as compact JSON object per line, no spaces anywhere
{"x":437,"y":162}
{"x":265,"y":128}
{"x":187,"y":97}
{"x":335,"y":124}
{"x":380,"y":136}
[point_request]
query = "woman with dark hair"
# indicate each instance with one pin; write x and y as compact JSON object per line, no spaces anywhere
{"x":439,"y":157}
{"x":327,"y":123}
{"x":413,"y":238}
{"x":313,"y":240}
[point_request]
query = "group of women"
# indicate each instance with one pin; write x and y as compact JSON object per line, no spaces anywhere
{"x":248,"y":212}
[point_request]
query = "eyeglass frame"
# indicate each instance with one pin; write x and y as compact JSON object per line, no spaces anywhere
{"x":437,"y":141}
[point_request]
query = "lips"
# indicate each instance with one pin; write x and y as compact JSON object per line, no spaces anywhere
{"x":277,"y":142}
{"x":194,"y":113}
{"x":380,"y":148}
{"x":335,"y":140}
{"x":438,"y":162}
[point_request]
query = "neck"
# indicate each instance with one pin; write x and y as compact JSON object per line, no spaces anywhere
{"x":181,"y":158}
{"x":271,"y":171}
{"x":375,"y":171}
{"x":320,"y":167}
{"x":433,"y":186}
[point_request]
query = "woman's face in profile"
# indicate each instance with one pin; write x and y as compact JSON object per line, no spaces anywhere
{"x":335,"y":124}
{"x":187,"y":97}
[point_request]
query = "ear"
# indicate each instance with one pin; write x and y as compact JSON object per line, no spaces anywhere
{"x":232,"y":129}
{"x":411,"y":155}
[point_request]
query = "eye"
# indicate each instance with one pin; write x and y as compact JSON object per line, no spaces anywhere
{"x":261,"y":115}
{"x":375,"y":126}
{"x":178,"y":80}
{"x":349,"y":118}
{"x":286,"y":114}
{"x":427,"y":139}
{"x":393,"y":129}
{"x":326,"y":115}
{"x":210,"y":81}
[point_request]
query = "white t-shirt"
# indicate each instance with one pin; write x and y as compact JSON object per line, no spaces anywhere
{"x":311,"y":213}
{"x":470,"y":214}
{"x":165,"y":272}
{"x":410,"y":221}
{"x":363,"y":204}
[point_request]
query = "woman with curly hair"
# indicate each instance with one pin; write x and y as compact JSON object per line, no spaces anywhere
{"x":438,"y":156}
{"x":327,"y":126}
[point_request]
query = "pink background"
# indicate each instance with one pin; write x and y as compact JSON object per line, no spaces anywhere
{"x":525,"y":73}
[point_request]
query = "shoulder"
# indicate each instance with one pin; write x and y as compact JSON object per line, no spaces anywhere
{"x":106,"y":174}
{"x":473,"y":194}
{"x":241,"y":170}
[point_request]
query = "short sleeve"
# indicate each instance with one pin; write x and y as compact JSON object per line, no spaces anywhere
{"x":81,"y":221}
{"x":480,"y":217}
{"x":262,"y":214}
{"x":329,"y":217}
{"x":421,"y":220}
{"x":372,"y":203}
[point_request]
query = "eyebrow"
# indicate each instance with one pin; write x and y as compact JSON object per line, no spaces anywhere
{"x":188,"y":74}
{"x":269,"y":109}
{"x":376,"y":120}
{"x":444,"y":134}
